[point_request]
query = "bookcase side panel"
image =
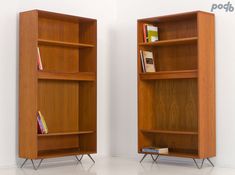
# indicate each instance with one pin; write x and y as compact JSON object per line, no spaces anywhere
{"x":28,"y":85}
{"x":206,"y":85}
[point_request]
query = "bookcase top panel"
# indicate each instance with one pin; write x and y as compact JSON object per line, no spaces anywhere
{"x":173,"y":17}
{"x":60,"y":16}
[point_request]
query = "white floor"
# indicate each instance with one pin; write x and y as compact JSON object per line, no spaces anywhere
{"x":117,"y":166}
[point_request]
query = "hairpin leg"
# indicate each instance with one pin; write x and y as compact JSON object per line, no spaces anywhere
{"x":23,"y":163}
{"x":155,"y":160}
{"x":199,"y":167}
{"x":210,"y":162}
{"x":34,"y":167}
{"x":81,"y":158}
{"x":33,"y":164}
{"x":91,"y":158}
{"x":152,"y":157}
{"x":143,"y":158}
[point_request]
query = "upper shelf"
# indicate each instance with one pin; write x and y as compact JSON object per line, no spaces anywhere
{"x":64,"y":44}
{"x":65,"y":133}
{"x":168,"y":75}
{"x":169,"y":132}
{"x":79,"y":76}
{"x":171,"y":42}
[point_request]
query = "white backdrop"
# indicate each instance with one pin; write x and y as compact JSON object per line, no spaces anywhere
{"x":117,"y":81}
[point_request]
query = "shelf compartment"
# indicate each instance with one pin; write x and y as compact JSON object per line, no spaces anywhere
{"x":80,"y":76}
{"x":169,"y":75}
{"x":64,"y":44}
{"x":169,"y":132}
{"x":62,"y":152}
{"x":65,"y":133}
{"x":175,"y":154}
{"x":171,"y":42}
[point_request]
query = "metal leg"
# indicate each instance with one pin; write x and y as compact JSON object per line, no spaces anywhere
{"x":77,"y":158}
{"x":210,"y":162}
{"x":81,"y":158}
{"x":143,"y":158}
{"x":199,"y":167}
{"x":155,"y":160}
{"x":34,"y":167}
{"x":152,"y":157}
{"x":91,"y":158}
{"x":39,"y":163}
{"x":23,"y":163}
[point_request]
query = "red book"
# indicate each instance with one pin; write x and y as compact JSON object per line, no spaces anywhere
{"x":40,"y":126}
{"x":145,"y":33}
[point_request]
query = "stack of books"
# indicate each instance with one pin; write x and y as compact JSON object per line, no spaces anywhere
{"x":42,"y":126}
{"x":155,"y":150}
{"x":147,"y":61}
{"x":150,"y":33}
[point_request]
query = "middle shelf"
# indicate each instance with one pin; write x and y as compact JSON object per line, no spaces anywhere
{"x":78,"y":76}
{"x":168,"y":132}
{"x":65,"y":133}
{"x":169,"y":74}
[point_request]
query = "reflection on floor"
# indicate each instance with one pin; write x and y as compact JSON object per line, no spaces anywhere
{"x":116,"y":166}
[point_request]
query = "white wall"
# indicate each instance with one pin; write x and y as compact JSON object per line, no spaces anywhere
{"x":117,"y":78}
{"x":103,"y":11}
{"x":123,"y":82}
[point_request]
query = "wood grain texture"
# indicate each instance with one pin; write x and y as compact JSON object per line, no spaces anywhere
{"x":56,"y":91}
{"x":176,"y":105}
{"x":206,"y":85}
{"x":28,"y":85}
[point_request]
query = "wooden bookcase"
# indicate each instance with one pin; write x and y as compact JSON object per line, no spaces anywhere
{"x":65,"y":91}
{"x":176,"y":104}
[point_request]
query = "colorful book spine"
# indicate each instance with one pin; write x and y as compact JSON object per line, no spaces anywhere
{"x":40,"y":126}
{"x":39,"y":60}
{"x":43,"y":122}
{"x":145,"y":33}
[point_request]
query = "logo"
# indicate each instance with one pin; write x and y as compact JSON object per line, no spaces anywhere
{"x":228,"y":7}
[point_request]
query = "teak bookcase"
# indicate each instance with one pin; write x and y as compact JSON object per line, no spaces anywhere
{"x":176,"y":104}
{"x":64,"y":92}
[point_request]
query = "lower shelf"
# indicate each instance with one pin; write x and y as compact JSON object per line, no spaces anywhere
{"x":62,"y":153}
{"x":175,"y":154}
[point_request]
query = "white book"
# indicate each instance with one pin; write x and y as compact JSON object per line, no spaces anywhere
{"x":149,"y":61}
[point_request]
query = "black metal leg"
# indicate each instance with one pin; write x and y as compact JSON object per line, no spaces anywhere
{"x":39,"y":163}
{"x":23,"y":163}
{"x":77,"y":158}
{"x":210,"y":162}
{"x":34,"y":167}
{"x":143,"y":158}
{"x":199,"y":167}
{"x":33,"y":164}
{"x":81,"y":158}
{"x":91,"y":158}
{"x":155,"y":160}
{"x":152,"y":157}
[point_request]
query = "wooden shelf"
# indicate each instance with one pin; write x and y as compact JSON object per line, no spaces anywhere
{"x":169,"y":132}
{"x":169,"y":75}
{"x":63,"y":44}
{"x":62,"y":152}
{"x":65,"y":133}
{"x":175,"y":154}
{"x":80,"y":76}
{"x":171,"y":42}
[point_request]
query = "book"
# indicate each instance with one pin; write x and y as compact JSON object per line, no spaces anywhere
{"x":45,"y":129}
{"x":39,"y":60}
{"x":148,"y":61}
{"x":142,"y":60}
{"x":40,"y":126}
{"x":155,"y":150}
{"x":152,"y":32}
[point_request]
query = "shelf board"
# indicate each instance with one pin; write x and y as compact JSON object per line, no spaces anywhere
{"x":64,"y":44}
{"x":171,"y":42}
{"x":62,"y":152}
{"x":79,"y":76}
{"x":65,"y":133}
{"x":169,"y":132}
{"x":175,"y":154}
{"x":168,"y":75}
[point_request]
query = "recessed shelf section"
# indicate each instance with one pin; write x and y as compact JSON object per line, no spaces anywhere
{"x":64,"y":44}
{"x":65,"y":133}
{"x":171,"y":42}
{"x":169,"y":132}
{"x":169,"y":75}
{"x":80,"y":76}
{"x":62,"y":152}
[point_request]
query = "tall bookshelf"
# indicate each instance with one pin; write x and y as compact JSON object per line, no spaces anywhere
{"x":64,"y":91}
{"x":176,"y":104}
